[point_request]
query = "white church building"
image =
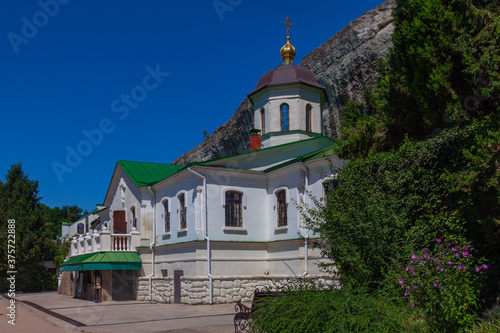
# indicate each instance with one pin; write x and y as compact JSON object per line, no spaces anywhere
{"x":211,"y":232}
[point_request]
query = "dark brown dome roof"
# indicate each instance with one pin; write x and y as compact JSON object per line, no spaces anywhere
{"x":285,"y":75}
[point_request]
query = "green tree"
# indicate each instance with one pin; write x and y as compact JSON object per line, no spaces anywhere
{"x":443,"y":71}
{"x":19,"y":201}
{"x":392,"y":205}
{"x":56,"y":215}
{"x":206,"y":134}
{"x":61,"y":250}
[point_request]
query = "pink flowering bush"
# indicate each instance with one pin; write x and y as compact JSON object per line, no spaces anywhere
{"x":444,"y":282}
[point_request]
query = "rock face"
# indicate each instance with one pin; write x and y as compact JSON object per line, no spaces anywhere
{"x":229,"y":139}
{"x":346,"y":65}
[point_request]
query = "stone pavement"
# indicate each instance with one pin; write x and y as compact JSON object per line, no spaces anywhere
{"x":50,"y":312}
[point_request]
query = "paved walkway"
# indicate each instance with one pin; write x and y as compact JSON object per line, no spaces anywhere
{"x":51,"y":312}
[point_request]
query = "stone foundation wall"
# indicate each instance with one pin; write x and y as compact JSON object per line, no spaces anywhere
{"x":226,"y":289}
{"x":66,"y":284}
{"x":162,"y":289}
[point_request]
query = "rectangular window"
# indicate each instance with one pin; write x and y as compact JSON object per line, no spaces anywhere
{"x":328,"y":188}
{"x":233,"y":209}
{"x":134,"y":219}
{"x":308,"y":118}
{"x":166,"y":216}
{"x":284,"y":117}
{"x":282,"y":208}
{"x":182,"y":211}
{"x":263,"y":120}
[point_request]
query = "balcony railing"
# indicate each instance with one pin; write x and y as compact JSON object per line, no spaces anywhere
{"x":105,"y":241}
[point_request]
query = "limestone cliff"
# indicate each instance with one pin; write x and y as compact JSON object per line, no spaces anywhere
{"x":346,"y":65}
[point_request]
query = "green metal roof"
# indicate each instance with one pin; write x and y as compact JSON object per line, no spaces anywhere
{"x":276,"y":156}
{"x":146,"y":174}
{"x":96,"y":222}
{"x":67,"y":223}
{"x":103,"y":261}
{"x":322,"y":153}
{"x":264,"y":150}
{"x":95,"y":211}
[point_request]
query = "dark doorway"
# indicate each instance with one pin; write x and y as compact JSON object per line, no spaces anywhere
{"x":119,"y":223}
{"x":177,"y":285}
{"x":123,"y":287}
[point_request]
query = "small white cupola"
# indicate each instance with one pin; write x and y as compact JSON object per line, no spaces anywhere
{"x":288,"y":102}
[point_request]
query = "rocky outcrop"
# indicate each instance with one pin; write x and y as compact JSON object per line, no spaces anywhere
{"x":231,"y":138}
{"x":346,"y":65}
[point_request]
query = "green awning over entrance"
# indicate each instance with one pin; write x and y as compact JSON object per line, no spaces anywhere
{"x":103,"y":261}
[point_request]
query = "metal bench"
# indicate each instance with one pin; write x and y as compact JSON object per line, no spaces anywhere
{"x":243,"y":316}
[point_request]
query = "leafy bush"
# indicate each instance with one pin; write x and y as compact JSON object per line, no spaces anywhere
{"x":390,"y":205}
{"x":444,"y":282}
{"x":334,"y":311}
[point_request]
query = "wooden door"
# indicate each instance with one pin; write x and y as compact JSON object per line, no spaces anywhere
{"x":177,"y":285}
{"x":119,"y":223}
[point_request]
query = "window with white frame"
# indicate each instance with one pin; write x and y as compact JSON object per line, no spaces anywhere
{"x":234,"y":208}
{"x":80,"y":228}
{"x":182,"y":211}
{"x":133,"y":218}
{"x":281,"y":208}
{"x":328,"y":188}
{"x":308,"y":117}
{"x":166,"y":216}
{"x":285,"y":125}
{"x":262,"y":119}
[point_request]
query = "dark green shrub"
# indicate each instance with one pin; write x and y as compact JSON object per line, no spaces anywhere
{"x":334,"y":311}
{"x":389,"y":206}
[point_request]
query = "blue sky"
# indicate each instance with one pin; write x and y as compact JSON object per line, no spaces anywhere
{"x":135,"y":80}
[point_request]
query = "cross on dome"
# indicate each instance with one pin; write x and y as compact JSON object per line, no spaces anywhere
{"x":288,"y":24}
{"x":287,"y":51}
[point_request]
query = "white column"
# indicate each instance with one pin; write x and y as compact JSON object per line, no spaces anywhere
{"x":87,"y":246}
{"x":96,"y":241}
{"x":135,"y":239}
{"x":105,"y":239}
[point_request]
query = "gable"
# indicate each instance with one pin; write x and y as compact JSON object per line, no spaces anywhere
{"x":147,"y":174}
{"x":140,"y":174}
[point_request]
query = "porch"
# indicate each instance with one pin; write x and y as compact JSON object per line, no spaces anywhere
{"x":104,"y":241}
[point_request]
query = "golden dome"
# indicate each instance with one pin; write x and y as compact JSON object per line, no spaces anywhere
{"x":288,"y":52}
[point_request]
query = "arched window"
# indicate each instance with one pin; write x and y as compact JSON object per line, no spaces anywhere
{"x":328,"y":188}
{"x":80,"y":228}
{"x":234,"y":216}
{"x":166,"y":216}
{"x":133,"y":217}
{"x":284,"y":117}
{"x":281,"y":208}
{"x":308,"y":117}
{"x":182,"y":211}
{"x":262,"y":120}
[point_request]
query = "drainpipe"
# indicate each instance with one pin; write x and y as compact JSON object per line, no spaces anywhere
{"x":87,"y":227}
{"x":306,"y":238}
{"x":151,"y":246}
{"x":209,"y":263}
